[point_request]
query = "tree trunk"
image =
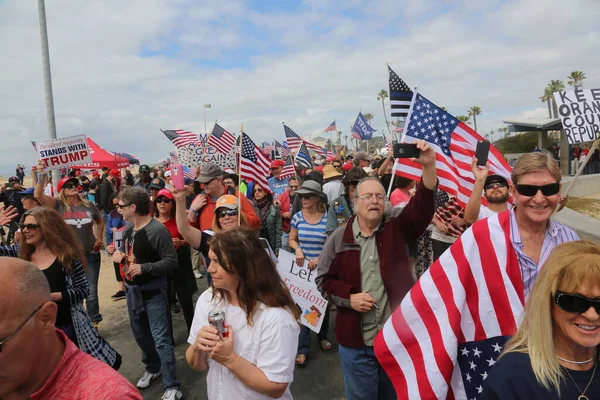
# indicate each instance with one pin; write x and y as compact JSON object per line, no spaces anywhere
{"x":564,"y":145}
{"x":386,"y":120}
{"x":549,"y":108}
{"x":475,"y":122}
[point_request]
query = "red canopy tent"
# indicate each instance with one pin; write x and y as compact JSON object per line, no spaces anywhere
{"x":102,"y":158}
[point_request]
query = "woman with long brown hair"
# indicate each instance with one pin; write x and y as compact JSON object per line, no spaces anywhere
{"x":254,"y":359}
{"x":50,"y":244}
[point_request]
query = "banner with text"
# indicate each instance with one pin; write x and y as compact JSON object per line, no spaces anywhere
{"x":579,"y":111}
{"x":193,"y":155}
{"x":301,"y":284}
{"x":62,"y":152}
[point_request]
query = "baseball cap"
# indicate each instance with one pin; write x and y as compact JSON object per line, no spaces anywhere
{"x":277,"y":164}
{"x":495,"y":178}
{"x":166,"y":193}
{"x":347,"y":166}
{"x":227,"y":201}
{"x":66,"y":179}
{"x":13,"y":179}
{"x":144,"y":168}
{"x":157,"y":183}
{"x":95,"y":174}
{"x":355,"y":174}
{"x":208,"y":172}
{"x":362,"y":155}
{"x":115,"y":173}
{"x":27,"y":192}
{"x":188,"y":181}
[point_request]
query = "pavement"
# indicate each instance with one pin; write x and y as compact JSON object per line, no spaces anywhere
{"x":586,"y":227}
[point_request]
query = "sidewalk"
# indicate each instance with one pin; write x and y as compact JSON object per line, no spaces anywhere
{"x":586,"y":227}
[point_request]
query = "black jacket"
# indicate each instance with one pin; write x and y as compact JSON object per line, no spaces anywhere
{"x":103,"y":198}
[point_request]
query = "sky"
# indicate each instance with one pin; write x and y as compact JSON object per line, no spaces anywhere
{"x":122,"y":70}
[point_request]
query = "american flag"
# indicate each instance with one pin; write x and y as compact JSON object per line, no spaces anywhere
{"x":288,"y":169}
{"x":331,"y":127}
{"x":294,"y":141}
{"x":400,"y":95}
{"x":303,"y":157}
{"x":282,"y":149}
{"x":188,"y":173}
{"x":451,"y":327}
{"x":221,"y":139}
{"x":454,"y":143}
{"x":254,"y":164}
{"x":388,"y":145}
{"x":181,"y":138}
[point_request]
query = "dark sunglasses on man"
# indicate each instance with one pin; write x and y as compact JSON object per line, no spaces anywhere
{"x":493,"y":185}
{"x":576,"y":303}
{"x":531,"y":190}
{"x":227,"y":213}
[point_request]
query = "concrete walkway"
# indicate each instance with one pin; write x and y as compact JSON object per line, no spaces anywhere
{"x":586,"y":227}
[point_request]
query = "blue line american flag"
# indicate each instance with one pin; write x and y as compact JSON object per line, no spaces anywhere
{"x":400,"y":95}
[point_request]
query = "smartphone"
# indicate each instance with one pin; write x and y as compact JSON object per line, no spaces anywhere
{"x":406,"y":150}
{"x":177,"y":177}
{"x":481,"y":152}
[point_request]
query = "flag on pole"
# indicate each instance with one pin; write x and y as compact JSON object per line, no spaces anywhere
{"x":294,"y":141}
{"x":388,"y":145}
{"x":400,"y":95}
{"x":303,"y":157}
{"x":452,"y":325}
{"x":282,"y":149}
{"x":362,"y":128}
{"x":221,"y":139}
{"x":331,"y":127}
{"x":288,"y":169}
{"x":254,"y":165}
{"x":181,"y":138}
{"x":454,"y":143}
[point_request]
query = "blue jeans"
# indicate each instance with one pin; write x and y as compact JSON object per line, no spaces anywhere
{"x":364,"y":379}
{"x":93,"y":273}
{"x":304,"y":338}
{"x":153,"y":335}
{"x":285,"y":241}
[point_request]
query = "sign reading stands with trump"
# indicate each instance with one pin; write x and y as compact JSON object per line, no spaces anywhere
{"x":579,"y":111}
{"x":62,"y":152}
{"x":301,"y":283}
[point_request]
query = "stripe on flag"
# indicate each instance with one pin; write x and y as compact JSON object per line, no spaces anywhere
{"x":181,"y":138}
{"x":294,"y":141}
{"x":254,"y":165}
{"x":220,"y":139}
{"x":400,"y":95}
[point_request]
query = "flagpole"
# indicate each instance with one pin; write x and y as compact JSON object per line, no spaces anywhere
{"x":240,"y":175}
{"x":389,"y":191}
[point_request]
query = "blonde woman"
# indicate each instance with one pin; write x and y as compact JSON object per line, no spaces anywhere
{"x":554,"y":354}
{"x":81,"y":215}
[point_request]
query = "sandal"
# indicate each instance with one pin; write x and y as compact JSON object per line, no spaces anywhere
{"x":325,"y":345}
{"x":301,"y":359}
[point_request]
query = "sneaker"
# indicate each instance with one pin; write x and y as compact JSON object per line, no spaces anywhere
{"x":175,"y":308}
{"x":120,"y":295}
{"x":172,"y":394}
{"x":198,"y":275}
{"x":145,"y":380}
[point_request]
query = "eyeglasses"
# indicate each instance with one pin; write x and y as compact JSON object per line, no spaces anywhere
{"x":227,"y":213}
{"x":123,"y":205}
{"x":69,"y":186}
{"x":29,"y":227}
{"x":337,"y":166}
{"x":495,"y":184}
{"x":575,"y":303}
{"x":293,"y":186}
{"x":12,"y":335}
{"x":369,"y":196}
{"x":163,"y":200}
{"x":531,"y":190}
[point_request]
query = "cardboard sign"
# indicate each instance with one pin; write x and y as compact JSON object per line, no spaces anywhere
{"x":62,"y":152}
{"x":193,"y":155}
{"x":579,"y":111}
{"x":118,"y":239}
{"x":301,"y":284}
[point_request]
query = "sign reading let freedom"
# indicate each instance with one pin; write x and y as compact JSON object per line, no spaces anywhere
{"x":580,"y":114}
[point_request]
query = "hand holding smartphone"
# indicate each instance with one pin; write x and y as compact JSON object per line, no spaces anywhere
{"x":177,"y":177}
{"x":406,"y":150}
{"x":481,"y":152}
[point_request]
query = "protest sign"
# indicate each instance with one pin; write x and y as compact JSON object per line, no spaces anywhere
{"x":195,"y":155}
{"x":579,"y":111}
{"x":174,"y":157}
{"x":118,"y":239}
{"x":301,"y":284}
{"x":62,"y":152}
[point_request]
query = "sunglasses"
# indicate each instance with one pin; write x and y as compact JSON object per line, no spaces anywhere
{"x":258,"y":190}
{"x":337,"y":166}
{"x":69,"y":186}
{"x":494,"y":184}
{"x":531,"y":190}
{"x":575,"y":303}
{"x":30,"y":227}
{"x":123,"y":205}
{"x":163,"y":200}
{"x":308,"y":196}
{"x":227,"y":213}
{"x":12,"y":335}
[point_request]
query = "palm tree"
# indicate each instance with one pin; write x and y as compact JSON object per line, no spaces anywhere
{"x":547,"y":98}
{"x":474,"y":112}
{"x":339,"y":136}
{"x":555,"y":86}
{"x":575,"y":78}
{"x":368,"y":117}
{"x":504,"y":132}
{"x":463,"y":118}
{"x":383,"y":94}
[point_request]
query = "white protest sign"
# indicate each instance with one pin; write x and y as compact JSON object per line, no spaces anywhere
{"x":62,"y":152}
{"x":300,"y":281}
{"x":197,"y":155}
{"x":118,"y":239}
{"x":579,"y":111}
{"x":174,"y":157}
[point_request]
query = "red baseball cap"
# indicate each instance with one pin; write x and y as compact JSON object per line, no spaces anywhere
{"x":95,"y":173}
{"x":66,"y":179}
{"x":277,"y":164}
{"x":115,"y":173}
{"x":347,"y":167}
{"x":166,"y":193}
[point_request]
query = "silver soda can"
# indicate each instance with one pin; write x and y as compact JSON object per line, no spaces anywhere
{"x":216,"y":318}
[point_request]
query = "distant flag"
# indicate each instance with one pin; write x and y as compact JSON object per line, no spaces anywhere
{"x":288,"y":169}
{"x":388,"y":145}
{"x":221,"y":139}
{"x":454,"y":143}
{"x":188,"y":173}
{"x":361,"y":127}
{"x":181,"y":138}
{"x":294,"y":141}
{"x":303,"y":157}
{"x":283,"y":150}
{"x":400,"y":95}
{"x":254,"y":165}
{"x":331,"y":127}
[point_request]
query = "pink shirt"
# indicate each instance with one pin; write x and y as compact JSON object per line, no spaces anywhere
{"x":398,"y":197}
{"x":80,"y":376}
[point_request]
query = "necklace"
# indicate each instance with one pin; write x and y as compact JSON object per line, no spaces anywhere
{"x":575,"y":362}
{"x":582,"y":396}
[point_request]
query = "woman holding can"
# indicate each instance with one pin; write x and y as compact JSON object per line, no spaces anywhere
{"x":255,"y":359}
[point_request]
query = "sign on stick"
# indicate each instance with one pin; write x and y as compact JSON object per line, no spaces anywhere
{"x":62,"y":152}
{"x":579,"y":111}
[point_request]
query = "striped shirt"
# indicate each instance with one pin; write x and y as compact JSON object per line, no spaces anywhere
{"x":556,"y":233}
{"x":310,"y":236}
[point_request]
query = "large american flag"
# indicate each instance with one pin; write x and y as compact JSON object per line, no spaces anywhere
{"x":221,"y":139}
{"x":294,"y":141}
{"x":303,"y":157}
{"x":400,"y":95}
{"x":288,"y":169}
{"x":451,"y":327}
{"x":254,"y":165}
{"x":331,"y":128}
{"x":454,"y":143}
{"x":181,"y":138}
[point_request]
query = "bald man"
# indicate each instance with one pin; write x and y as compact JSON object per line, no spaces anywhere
{"x":38,"y":361}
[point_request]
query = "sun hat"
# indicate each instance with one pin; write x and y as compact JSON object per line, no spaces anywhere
{"x":312,"y":187}
{"x":329,"y":171}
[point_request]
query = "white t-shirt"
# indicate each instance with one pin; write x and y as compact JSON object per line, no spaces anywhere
{"x":484,"y":213}
{"x":270,"y":343}
{"x":333,"y":190}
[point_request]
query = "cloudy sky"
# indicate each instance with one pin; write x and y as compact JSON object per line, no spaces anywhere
{"x":123,"y":69}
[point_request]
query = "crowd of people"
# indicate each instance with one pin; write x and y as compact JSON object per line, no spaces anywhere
{"x":367,"y":249}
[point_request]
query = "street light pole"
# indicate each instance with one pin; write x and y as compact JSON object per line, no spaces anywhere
{"x":205,"y":107}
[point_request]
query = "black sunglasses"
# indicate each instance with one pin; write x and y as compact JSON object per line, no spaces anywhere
{"x":531,"y":190}
{"x":30,"y":227}
{"x":499,"y":184}
{"x":308,"y":196}
{"x":575,"y":303}
{"x":123,"y":205}
{"x":69,"y":186}
{"x":227,"y":213}
{"x":337,"y":166}
{"x":12,"y":335}
{"x":163,"y":200}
